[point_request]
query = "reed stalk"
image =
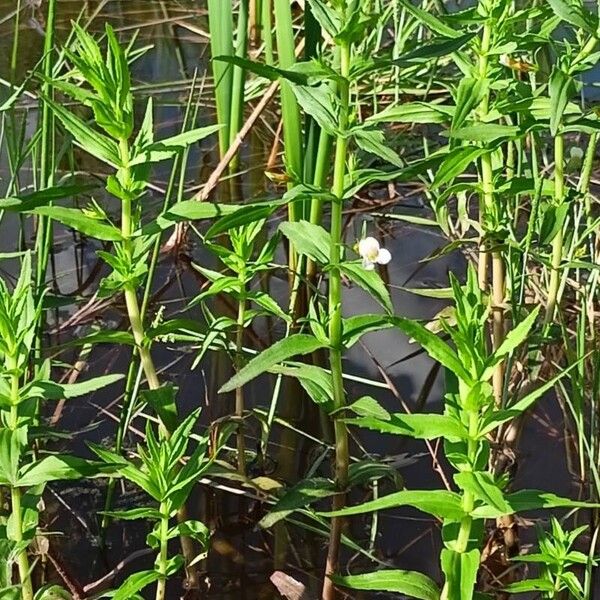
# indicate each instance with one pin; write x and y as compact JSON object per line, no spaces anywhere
{"x":220,"y":20}
{"x":290,"y":114}
{"x":487,"y":207}
{"x":237,"y":83}
{"x":46,"y":179}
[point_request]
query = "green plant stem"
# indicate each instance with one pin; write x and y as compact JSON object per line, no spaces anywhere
{"x":220,"y":22}
{"x":15,"y":495}
{"x":486,"y":161}
{"x":558,"y":241}
{"x":239,"y":391}
{"x":237,"y":87}
{"x":22,"y":559}
{"x":335,"y":324}
{"x":267,"y":29}
{"x":468,"y":501}
{"x":44,"y":224}
{"x":137,"y":328}
{"x":163,"y":555}
{"x":559,"y":198}
{"x":290,"y":114}
{"x":487,"y":208}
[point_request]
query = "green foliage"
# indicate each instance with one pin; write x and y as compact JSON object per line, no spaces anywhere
{"x":482,"y":109}
{"x":464,"y":426}
{"x":556,"y":559}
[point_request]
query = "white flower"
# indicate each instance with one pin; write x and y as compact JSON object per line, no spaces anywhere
{"x":371,"y":253}
{"x":505,"y":60}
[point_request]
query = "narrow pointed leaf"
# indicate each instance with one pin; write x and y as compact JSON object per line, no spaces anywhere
{"x":439,"y":503}
{"x":410,"y":583}
{"x":295,"y":345}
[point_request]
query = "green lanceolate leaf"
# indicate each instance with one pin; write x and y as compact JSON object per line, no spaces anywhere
{"x":484,"y":488}
{"x":434,"y":48}
{"x":439,"y":503}
{"x":28,"y":202}
{"x":12,"y":445}
{"x":244,"y":216}
{"x":316,"y":381}
{"x":486,"y":133}
{"x":93,"y":142}
{"x":57,"y":391}
{"x":370,"y":281}
{"x":165,"y":149}
{"x":308,"y":239}
{"x":573,"y":12}
{"x":320,"y":104}
{"x":304,"y":493}
{"x":530,"y":500}
{"x":357,"y":326}
{"x":513,"y":339}
{"x":530,"y":585}
{"x":519,"y":407}
{"x":59,"y":467}
{"x":134,"y":583}
{"x":410,"y":583}
{"x":134,"y":514}
{"x":295,"y":345}
{"x":468,"y":95}
{"x":431,"y":21}
{"x":373,"y":141}
{"x":414,"y":112}
{"x":421,"y":427}
{"x":368,"y":407}
{"x":456,"y":163}
{"x":190,"y":210}
{"x":262,"y":70}
{"x":435,"y":347}
{"x":162,"y":400}
{"x":50,"y":592}
{"x":561,"y":88}
{"x":78,"y":220}
{"x":326,"y":15}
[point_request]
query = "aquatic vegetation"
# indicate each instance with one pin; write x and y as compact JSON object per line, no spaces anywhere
{"x":276,"y":387}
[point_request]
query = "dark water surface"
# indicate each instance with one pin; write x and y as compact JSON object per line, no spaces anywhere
{"x":242,"y":558}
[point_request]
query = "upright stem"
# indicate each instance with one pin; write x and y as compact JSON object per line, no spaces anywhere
{"x":335,"y":324}
{"x":239,"y":391}
{"x":44,"y":228}
{"x":137,"y":328}
{"x":163,"y":555}
{"x":15,"y":493}
{"x":486,"y":164}
{"x":237,"y":88}
{"x":487,"y":208}
{"x":468,"y":501}
{"x":558,"y":241}
{"x":559,"y":198}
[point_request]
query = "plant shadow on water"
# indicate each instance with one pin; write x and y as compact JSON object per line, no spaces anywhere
{"x":242,"y":557}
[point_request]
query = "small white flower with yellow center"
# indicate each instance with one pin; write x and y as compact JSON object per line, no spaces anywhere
{"x":372,"y":253}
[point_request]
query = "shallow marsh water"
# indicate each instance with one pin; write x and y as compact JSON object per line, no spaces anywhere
{"x":241,"y":558}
